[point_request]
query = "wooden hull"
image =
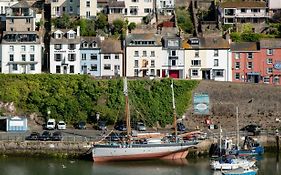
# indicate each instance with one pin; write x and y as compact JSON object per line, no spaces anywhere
{"x":107,"y":153}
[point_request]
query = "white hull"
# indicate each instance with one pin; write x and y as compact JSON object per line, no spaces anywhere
{"x":239,"y":163}
{"x":140,"y":152}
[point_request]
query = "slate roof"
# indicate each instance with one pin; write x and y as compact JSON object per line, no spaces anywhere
{"x":207,"y":43}
{"x":244,"y":46}
{"x":270,"y":43}
{"x":111,"y":46}
{"x":91,"y":39}
{"x":237,"y":4}
{"x":143,"y":37}
{"x":115,"y":3}
{"x":21,"y":4}
{"x":64,"y":39}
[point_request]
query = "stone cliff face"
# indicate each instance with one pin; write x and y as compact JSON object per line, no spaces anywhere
{"x":257,"y":103}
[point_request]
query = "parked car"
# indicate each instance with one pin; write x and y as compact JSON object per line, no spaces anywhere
{"x":51,"y":124}
{"x":140,"y":126}
{"x":120,"y":126}
{"x":101,"y":125}
{"x":46,"y":135}
{"x":180,"y":127}
{"x":33,"y":136}
{"x":81,"y":125}
{"x":254,"y":129}
{"x":61,"y":125}
{"x":57,"y":136}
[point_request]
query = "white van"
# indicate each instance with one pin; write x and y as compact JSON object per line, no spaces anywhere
{"x":61,"y":125}
{"x":51,"y":124}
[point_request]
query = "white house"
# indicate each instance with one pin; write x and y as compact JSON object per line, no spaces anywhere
{"x":64,"y":51}
{"x":21,"y":52}
{"x":165,"y":6}
{"x":274,"y":6}
{"x":4,"y":4}
{"x":111,"y":58}
{"x":207,"y":59}
{"x":87,"y":8}
{"x":144,"y":55}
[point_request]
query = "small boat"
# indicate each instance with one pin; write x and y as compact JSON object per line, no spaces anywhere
{"x":240,"y":171}
{"x":231,"y":162}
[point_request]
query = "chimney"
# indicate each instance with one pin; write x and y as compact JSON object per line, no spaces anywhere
{"x":78,"y":31}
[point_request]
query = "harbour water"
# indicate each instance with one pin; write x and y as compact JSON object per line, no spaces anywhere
{"x":269,"y":164}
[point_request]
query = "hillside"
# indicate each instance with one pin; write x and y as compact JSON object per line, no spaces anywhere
{"x":257,"y":103}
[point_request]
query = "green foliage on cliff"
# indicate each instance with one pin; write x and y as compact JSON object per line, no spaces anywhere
{"x":79,"y":97}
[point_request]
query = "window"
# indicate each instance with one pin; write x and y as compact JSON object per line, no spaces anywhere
{"x":27,"y":20}
{"x":243,"y":10}
{"x":237,"y":76}
{"x":135,"y":0}
{"x":28,"y":29}
{"x":195,"y":62}
{"x":31,"y":57}
{"x":70,"y":9}
{"x":107,"y":57}
{"x":11,"y":21}
{"x":250,"y":65}
{"x":94,"y":67}
{"x":58,"y":46}
{"x":11,"y":57}
{"x":84,"y":56}
{"x":144,"y":53}
{"x":88,"y":4}
{"x":57,"y":57}
{"x":107,"y":67}
{"x":12,"y":29}
{"x":194,"y":72}
{"x":255,"y":10}
{"x":250,"y":55}
{"x":269,"y":51}
{"x":152,"y":71}
{"x":116,"y":57}
{"x":196,"y":53}
{"x":57,"y":69}
{"x":266,"y":79}
{"x":71,"y":46}
{"x":136,"y":72}
{"x":152,"y":63}
{"x":237,"y":65}
{"x":173,"y":53}
{"x":276,"y":80}
{"x":269,"y":60}
{"x":23,"y":57}
{"x":71,"y":69}
{"x":32,"y":66}
{"x":218,"y":73}
{"x":32,"y":48}
{"x":23,"y":48}
{"x":15,"y":67}
{"x":269,"y":70}
{"x":136,"y":63}
{"x":216,"y":62}
{"x":11,"y":48}
{"x":152,"y":54}
{"x":71,"y":57}
{"x":71,"y":36}
{"x":147,"y":10}
{"x":94,"y":56}
{"x":88,"y":14}
{"x":216,"y":53}
{"x":136,"y":54}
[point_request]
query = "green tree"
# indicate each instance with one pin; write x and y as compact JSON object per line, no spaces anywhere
{"x":184,"y":20}
{"x":132,"y":26}
{"x":87,"y":27}
{"x":62,"y":22}
{"x":101,"y":22}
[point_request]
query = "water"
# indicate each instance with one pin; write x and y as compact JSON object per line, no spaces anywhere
{"x":268,"y":165}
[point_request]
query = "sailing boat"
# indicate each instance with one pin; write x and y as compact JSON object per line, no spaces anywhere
{"x":128,"y":149}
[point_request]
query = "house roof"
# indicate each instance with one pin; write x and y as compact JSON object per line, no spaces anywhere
{"x":111,"y":46}
{"x":64,"y":39}
{"x":244,"y":46}
{"x":21,"y":4}
{"x":91,"y":39}
{"x":114,"y":3}
{"x":237,"y":4}
{"x":270,"y":43}
{"x":207,"y":43}
{"x":143,"y":37}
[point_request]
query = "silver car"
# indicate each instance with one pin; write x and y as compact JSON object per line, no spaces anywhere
{"x":141,"y":126}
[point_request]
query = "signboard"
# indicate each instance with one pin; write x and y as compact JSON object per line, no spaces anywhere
{"x":201,"y":103}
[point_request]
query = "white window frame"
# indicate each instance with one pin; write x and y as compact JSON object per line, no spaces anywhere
{"x":269,"y":70}
{"x":269,"y":51}
{"x":269,"y":61}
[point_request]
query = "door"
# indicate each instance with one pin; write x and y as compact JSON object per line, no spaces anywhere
{"x":174,"y":73}
{"x":23,"y":68}
{"x":206,"y":75}
{"x":64,"y":69}
{"x":84,"y":69}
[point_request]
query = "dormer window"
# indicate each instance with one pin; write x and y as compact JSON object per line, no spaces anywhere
{"x":85,"y":45}
{"x":71,"y":36}
{"x":194,"y":41}
{"x":58,"y":36}
{"x":94,"y":44}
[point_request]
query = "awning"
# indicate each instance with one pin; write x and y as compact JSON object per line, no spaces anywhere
{"x":253,"y":73}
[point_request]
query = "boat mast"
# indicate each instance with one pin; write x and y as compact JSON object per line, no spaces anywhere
{"x":220,"y":140}
{"x":127,"y":111}
{"x":174,"y":108}
{"x":237,"y":128}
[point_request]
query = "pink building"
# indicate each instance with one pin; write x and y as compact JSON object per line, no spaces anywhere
{"x":245,"y":62}
{"x":257,"y":62}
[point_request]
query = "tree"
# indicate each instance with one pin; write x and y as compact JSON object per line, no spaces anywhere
{"x":184,"y":21}
{"x":101,"y":22}
{"x":119,"y":28}
{"x":132,"y":26}
{"x":62,"y":22}
{"x":87,"y":27}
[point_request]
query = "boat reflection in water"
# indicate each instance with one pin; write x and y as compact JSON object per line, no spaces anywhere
{"x":151,"y":167}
